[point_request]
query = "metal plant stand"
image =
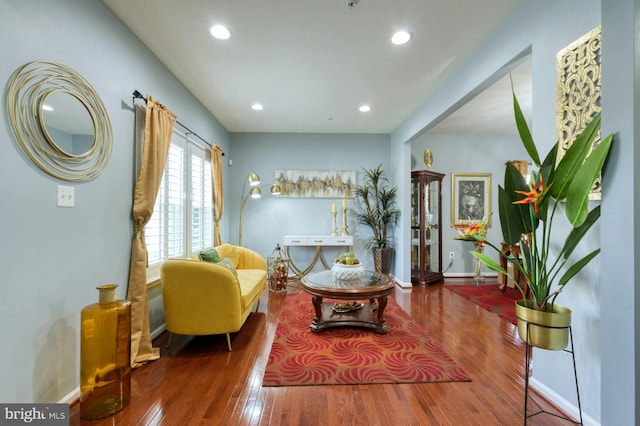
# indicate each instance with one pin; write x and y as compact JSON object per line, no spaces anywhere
{"x":528,"y":348}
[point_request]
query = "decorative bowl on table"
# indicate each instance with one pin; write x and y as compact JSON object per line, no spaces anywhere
{"x":347,"y":272}
{"x":345,"y":307}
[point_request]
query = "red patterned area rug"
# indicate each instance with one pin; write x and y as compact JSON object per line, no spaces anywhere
{"x":489,"y":297}
{"x":351,"y":355}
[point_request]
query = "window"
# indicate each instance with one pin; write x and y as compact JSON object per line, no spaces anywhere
{"x":182,"y":220}
{"x":201,"y":201}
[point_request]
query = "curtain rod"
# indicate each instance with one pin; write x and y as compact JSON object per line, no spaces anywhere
{"x":138,"y":95}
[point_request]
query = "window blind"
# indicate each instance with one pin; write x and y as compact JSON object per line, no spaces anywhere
{"x":182,"y":221}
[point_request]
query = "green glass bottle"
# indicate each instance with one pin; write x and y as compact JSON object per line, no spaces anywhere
{"x":105,"y":348}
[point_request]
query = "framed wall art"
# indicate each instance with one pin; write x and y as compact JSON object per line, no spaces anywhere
{"x":316,"y":183}
{"x":470,"y":198}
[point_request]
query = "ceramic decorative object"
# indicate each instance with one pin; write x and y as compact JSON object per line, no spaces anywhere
{"x":347,"y":272}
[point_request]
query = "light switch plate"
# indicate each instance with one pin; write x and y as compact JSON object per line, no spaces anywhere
{"x":66,"y":196}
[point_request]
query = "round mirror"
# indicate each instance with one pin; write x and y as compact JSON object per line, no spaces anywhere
{"x":67,"y":124}
{"x":59,"y":120}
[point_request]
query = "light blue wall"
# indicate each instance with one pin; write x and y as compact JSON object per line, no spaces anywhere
{"x":268,"y":219}
{"x":51,"y":259}
{"x":467,"y":154}
{"x":619,"y":296}
{"x":604,"y":316}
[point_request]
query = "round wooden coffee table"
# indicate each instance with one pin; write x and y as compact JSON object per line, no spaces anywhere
{"x":371,"y":287}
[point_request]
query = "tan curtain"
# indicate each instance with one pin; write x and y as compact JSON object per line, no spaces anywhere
{"x":218,"y":195}
{"x":159,"y":123}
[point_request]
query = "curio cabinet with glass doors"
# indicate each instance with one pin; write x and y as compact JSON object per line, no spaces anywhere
{"x":426,"y":227}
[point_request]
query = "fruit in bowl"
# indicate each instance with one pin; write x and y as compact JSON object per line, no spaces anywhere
{"x":347,"y":259}
{"x":347,"y":267}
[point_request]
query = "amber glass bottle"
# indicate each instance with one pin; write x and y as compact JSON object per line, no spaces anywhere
{"x":105,"y":371}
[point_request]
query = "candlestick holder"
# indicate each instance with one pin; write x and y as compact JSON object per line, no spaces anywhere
{"x":334,"y":232}
{"x":344,"y":222}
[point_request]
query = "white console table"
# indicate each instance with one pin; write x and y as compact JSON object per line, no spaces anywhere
{"x":317,"y":241}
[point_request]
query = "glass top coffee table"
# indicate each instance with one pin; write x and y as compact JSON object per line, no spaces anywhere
{"x":372,"y":287}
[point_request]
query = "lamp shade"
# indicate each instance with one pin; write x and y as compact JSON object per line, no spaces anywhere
{"x":253,"y":179}
{"x":275,"y":189}
{"x":255,"y":192}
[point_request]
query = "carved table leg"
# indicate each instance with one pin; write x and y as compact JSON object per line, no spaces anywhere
{"x":317,"y":305}
{"x":382,"y":303}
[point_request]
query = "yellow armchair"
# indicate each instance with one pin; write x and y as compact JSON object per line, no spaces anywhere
{"x":202,"y":298}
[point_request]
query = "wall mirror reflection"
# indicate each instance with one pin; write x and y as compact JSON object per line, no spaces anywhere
{"x":67,"y":123}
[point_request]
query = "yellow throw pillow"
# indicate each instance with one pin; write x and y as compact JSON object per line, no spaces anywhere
{"x":230,"y":251}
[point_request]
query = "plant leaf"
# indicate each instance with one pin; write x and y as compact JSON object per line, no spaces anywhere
{"x":573,"y":159}
{"x":489,"y":262}
{"x":523,"y":130}
{"x":576,"y":267}
{"x":578,"y":191}
{"x":548,"y":167}
{"x":547,"y":170}
{"x":509,"y":218}
{"x":577,"y":233}
{"x":514,"y":181}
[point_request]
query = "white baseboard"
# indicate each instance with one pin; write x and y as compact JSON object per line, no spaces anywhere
{"x":71,"y":397}
{"x":447,"y":275}
{"x":400,"y":283}
{"x":562,"y":403}
{"x":158,"y":331}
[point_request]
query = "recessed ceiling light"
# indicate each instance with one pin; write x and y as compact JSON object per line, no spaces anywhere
{"x":401,"y":37}
{"x":364,"y":108}
{"x":220,"y":32}
{"x":257,"y":107}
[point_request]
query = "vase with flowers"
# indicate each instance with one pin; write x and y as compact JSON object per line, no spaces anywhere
{"x":527,"y":213}
{"x":479,"y":231}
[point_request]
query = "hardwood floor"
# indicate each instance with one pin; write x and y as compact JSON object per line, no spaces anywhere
{"x":200,"y":382}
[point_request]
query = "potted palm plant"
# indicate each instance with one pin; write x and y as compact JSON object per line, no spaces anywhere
{"x":526,"y":216}
{"x":376,"y":208}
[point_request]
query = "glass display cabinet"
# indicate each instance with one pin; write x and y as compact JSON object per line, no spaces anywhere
{"x":426,"y":227}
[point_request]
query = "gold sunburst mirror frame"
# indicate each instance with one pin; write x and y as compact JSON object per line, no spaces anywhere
{"x":53,"y":138}
{"x":578,"y":93}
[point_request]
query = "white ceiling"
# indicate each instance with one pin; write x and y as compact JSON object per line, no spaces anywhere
{"x":312,"y":63}
{"x":491,"y":112}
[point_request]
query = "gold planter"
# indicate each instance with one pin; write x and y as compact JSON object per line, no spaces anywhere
{"x":382,"y":257}
{"x":547,"y":330}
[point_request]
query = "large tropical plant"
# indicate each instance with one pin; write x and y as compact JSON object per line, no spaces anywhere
{"x":527,"y":212}
{"x":376,"y":206}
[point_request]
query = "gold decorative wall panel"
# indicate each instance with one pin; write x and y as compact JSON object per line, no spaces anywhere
{"x":578,"y":92}
{"x":316,"y":183}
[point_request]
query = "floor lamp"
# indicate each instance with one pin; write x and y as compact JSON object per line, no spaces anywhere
{"x":255,"y":192}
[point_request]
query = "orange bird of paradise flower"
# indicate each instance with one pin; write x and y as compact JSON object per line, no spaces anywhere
{"x":472,"y":231}
{"x":534,"y":196}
